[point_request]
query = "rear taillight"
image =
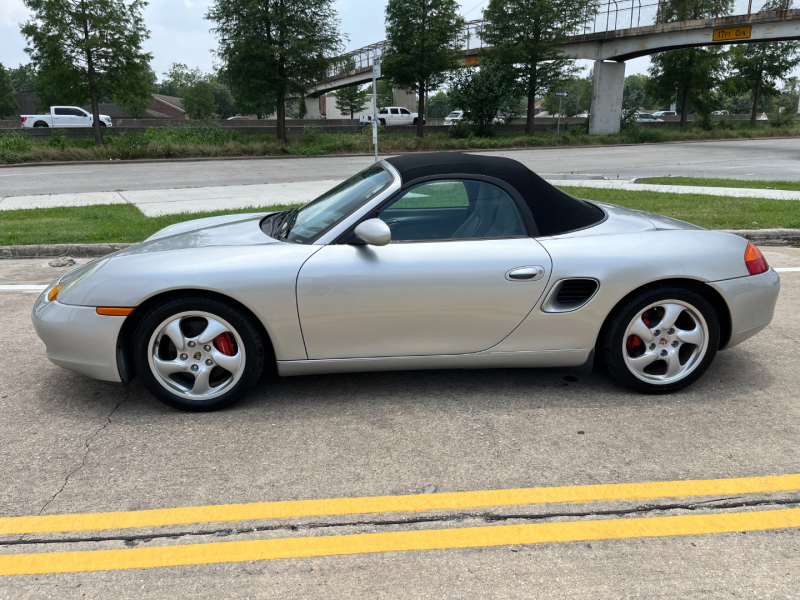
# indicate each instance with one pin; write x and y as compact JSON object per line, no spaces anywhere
{"x":754,"y":260}
{"x":24,"y":119}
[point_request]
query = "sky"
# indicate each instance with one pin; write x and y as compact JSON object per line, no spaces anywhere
{"x":179,"y":33}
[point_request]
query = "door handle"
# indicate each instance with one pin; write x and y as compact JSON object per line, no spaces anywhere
{"x":525,"y":274}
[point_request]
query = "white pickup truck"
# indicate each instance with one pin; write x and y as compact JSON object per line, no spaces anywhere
{"x":393,"y":115}
{"x":64,"y":116}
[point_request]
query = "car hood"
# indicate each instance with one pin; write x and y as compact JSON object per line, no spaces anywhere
{"x":627,"y":220}
{"x":227,"y":230}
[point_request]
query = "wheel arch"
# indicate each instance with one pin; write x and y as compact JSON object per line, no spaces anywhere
{"x":706,"y":291}
{"x":125,"y":362}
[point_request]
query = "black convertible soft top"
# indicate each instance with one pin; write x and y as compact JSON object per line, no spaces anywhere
{"x":553,"y":210}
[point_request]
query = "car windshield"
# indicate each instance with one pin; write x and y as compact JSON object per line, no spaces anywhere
{"x":308,"y":222}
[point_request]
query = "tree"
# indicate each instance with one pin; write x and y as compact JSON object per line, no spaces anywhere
{"x":634,"y":93}
{"x":483,"y":92}
{"x":352,"y":99}
{"x":691,"y":75}
{"x":422,"y":46}
{"x":198,"y":100}
{"x":385,"y":92}
{"x":8,"y":104}
{"x":85,"y":49}
{"x":757,"y":68}
{"x":22,"y":78}
{"x":178,"y":78}
{"x":579,"y":99}
{"x":527,"y":36}
{"x":273,"y":50}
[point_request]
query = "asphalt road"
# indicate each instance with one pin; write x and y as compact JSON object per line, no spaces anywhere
{"x":72,"y":445}
{"x":776,"y":159}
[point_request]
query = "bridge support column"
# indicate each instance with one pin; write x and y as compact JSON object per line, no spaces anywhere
{"x":608,"y":83}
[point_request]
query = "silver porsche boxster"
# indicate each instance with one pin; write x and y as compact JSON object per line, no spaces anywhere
{"x":429,"y":261}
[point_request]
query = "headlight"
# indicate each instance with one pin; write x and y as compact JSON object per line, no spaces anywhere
{"x":74,"y":278}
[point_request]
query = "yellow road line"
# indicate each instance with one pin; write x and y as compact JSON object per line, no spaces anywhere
{"x":393,"y":504}
{"x":438,"y":539}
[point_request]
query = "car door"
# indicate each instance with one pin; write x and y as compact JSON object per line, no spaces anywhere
{"x":460,"y":274}
{"x":405,"y":117}
{"x":82,"y":118}
{"x":62,"y":117}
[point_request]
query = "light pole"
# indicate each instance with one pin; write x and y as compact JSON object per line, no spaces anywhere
{"x":376,"y":72}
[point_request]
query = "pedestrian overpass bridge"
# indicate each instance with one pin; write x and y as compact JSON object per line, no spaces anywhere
{"x":619,"y":31}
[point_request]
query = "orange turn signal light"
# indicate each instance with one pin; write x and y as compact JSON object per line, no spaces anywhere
{"x":53,"y":294}
{"x":754,"y":260}
{"x":114,"y":311}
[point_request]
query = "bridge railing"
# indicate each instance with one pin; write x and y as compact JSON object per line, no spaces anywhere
{"x":610,"y":15}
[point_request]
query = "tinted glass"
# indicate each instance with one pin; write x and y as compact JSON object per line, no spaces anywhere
{"x":330,"y":208}
{"x":395,"y":111}
{"x":459,"y":209}
{"x":404,"y":111}
{"x":77,"y":112}
{"x":62,"y":112}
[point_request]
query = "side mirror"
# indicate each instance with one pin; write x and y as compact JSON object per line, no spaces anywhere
{"x":374,"y":232}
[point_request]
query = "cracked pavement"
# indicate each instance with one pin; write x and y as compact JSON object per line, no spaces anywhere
{"x":72,"y":445}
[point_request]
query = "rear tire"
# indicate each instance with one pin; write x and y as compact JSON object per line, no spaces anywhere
{"x":40,"y":124}
{"x":661,"y":340}
{"x":197,"y":352}
{"x":383,"y":121}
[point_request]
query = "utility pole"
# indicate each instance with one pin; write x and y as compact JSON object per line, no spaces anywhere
{"x":376,"y":72}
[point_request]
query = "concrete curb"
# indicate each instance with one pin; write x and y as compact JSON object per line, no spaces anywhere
{"x":760,"y":237}
{"x":56,"y":250}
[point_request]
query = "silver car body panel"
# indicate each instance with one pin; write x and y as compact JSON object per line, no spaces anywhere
{"x":79,"y":339}
{"x":407,"y":305}
{"x":411,"y":299}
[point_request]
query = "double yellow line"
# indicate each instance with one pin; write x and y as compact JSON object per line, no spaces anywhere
{"x":218,"y":552}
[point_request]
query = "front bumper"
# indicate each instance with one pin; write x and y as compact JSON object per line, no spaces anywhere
{"x":79,"y":339}
{"x":751,"y":301}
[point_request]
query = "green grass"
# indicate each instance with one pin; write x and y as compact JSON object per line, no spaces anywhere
{"x":126,"y":223}
{"x":194,"y":142}
{"x":716,"y":182}
{"x":711,"y":212}
{"x":91,"y":224}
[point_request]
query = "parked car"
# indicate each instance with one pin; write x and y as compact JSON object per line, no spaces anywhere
{"x":458,"y":116}
{"x":393,"y":115}
{"x":504,"y":270}
{"x":642,"y":117}
{"x":720,"y":112}
{"x":64,"y":116}
{"x":240,"y":118}
{"x":665,"y":113}
{"x":583,"y":115}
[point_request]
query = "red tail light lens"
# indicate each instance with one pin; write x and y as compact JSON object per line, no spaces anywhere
{"x":754,"y":260}
{"x":24,"y":119}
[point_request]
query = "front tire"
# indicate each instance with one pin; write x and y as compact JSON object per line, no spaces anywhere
{"x":198,"y":353}
{"x":661,"y":340}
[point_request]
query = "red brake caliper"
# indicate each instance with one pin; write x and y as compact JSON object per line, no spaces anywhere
{"x":634,"y":340}
{"x":224,"y":341}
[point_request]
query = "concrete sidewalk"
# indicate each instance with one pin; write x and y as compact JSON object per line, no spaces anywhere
{"x":203,"y":199}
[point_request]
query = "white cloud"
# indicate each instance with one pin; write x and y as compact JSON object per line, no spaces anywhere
{"x":12,"y":13}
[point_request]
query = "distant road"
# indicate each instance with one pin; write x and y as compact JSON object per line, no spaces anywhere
{"x":741,"y":159}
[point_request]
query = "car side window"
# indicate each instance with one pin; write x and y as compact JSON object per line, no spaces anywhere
{"x":383,"y":111}
{"x":77,"y":112}
{"x":395,"y":111}
{"x":452,"y":210}
{"x":405,"y":111}
{"x":62,"y":112}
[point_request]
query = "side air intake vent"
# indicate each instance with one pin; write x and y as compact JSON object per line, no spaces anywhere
{"x":570,"y":294}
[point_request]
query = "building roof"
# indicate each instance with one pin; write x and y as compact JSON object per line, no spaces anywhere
{"x":553,"y":211}
{"x":173,"y":101}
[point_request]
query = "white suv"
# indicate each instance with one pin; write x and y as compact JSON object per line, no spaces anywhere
{"x":393,"y":115}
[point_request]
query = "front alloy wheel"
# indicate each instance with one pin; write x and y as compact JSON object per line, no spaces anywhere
{"x":198,"y":353}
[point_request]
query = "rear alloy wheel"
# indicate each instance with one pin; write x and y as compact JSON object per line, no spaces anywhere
{"x":198,"y":353}
{"x":661,"y":341}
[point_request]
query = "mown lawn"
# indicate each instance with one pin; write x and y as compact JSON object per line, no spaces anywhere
{"x":125,"y":223}
{"x":711,"y":212}
{"x":730,"y":183}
